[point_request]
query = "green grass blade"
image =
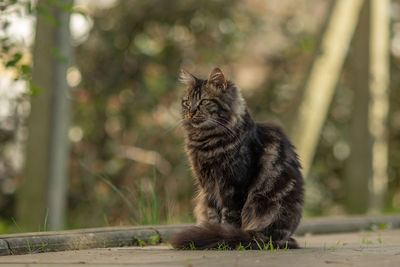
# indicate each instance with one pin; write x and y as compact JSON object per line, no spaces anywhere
{"x":119,"y":193}
{"x":258,"y":244}
{"x":45,"y":221}
{"x":28,"y":244}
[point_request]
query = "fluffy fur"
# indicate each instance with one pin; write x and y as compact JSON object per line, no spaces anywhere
{"x":250,"y":188}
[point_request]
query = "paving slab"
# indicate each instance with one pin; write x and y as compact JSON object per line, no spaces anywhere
{"x":366,"y":248}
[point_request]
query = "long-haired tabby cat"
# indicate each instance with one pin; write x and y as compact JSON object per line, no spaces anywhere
{"x":250,"y":189}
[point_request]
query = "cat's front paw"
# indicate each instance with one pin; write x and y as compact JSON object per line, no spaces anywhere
{"x":201,"y":223}
{"x":231,"y":217}
{"x":213,"y":216}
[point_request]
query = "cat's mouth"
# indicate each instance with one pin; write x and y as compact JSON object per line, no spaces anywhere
{"x":197,"y":122}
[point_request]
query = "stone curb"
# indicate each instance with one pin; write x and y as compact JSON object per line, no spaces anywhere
{"x":37,"y":242}
{"x":134,"y":235}
{"x":330,"y":225}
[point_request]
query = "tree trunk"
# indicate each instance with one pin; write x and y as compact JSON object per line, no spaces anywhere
{"x":43,"y":189}
{"x":324,"y":74}
{"x":358,"y":166}
{"x":379,"y":99}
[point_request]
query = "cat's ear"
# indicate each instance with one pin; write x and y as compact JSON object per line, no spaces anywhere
{"x":217,"y":79}
{"x":186,"y":78}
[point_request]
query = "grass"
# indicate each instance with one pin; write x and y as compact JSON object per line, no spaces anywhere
{"x":118,"y":192}
{"x":29,"y":247}
{"x":191,"y":246}
{"x":155,"y":239}
{"x":223,"y":246}
{"x":383,"y":226}
{"x":335,"y":246}
{"x":145,"y":207}
{"x":241,"y":247}
{"x":28,"y":244}
{"x":380,"y":241}
{"x":366,"y":241}
{"x":269,"y":246}
{"x":262,"y":246}
{"x":266,"y":247}
{"x":378,"y":226}
{"x":45,"y":221}
{"x":142,"y":243}
{"x":149,"y":205}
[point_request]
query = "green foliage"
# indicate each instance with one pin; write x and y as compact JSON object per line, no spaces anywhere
{"x":192,"y":246}
{"x":144,"y":208}
{"x":383,"y":226}
{"x":45,"y":221}
{"x":241,"y":247}
{"x":15,"y":59}
{"x":366,"y":241}
{"x":4,"y":227}
{"x":148,"y":206}
{"x":286,"y":246}
{"x":223,"y":246}
{"x":120,"y":194}
{"x":269,"y":246}
{"x":155,"y":239}
{"x":258,"y":244}
{"x":129,"y":97}
{"x":13,"y":54}
{"x":379,"y":239}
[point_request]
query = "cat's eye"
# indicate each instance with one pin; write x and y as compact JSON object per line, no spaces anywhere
{"x":186,"y":103}
{"x":204,"y":102}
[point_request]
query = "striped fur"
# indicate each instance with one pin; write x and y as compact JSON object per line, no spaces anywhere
{"x":248,"y":175}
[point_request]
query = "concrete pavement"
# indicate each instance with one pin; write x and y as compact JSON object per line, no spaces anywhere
{"x":367,"y":248}
{"x":338,"y":241}
{"x":106,"y":237}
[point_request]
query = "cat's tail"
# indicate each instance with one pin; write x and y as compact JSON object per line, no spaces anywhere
{"x":220,"y":236}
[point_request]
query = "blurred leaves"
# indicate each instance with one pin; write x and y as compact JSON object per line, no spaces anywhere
{"x":15,"y":59}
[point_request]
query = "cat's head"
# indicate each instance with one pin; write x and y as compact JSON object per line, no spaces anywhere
{"x":211,"y":102}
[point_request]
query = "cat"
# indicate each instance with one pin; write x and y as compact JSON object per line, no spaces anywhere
{"x":250,"y":188}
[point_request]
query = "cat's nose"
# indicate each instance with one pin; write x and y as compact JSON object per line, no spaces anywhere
{"x":192,"y":112}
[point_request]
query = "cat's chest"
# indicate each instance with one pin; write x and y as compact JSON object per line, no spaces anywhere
{"x":222,"y":168}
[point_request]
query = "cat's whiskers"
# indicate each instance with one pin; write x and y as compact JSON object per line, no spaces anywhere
{"x":229,"y":132}
{"x":174,"y":126}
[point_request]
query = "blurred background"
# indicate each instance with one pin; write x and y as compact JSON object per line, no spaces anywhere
{"x":90,"y":103}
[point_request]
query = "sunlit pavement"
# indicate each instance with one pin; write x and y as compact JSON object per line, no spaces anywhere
{"x":368,"y":248}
